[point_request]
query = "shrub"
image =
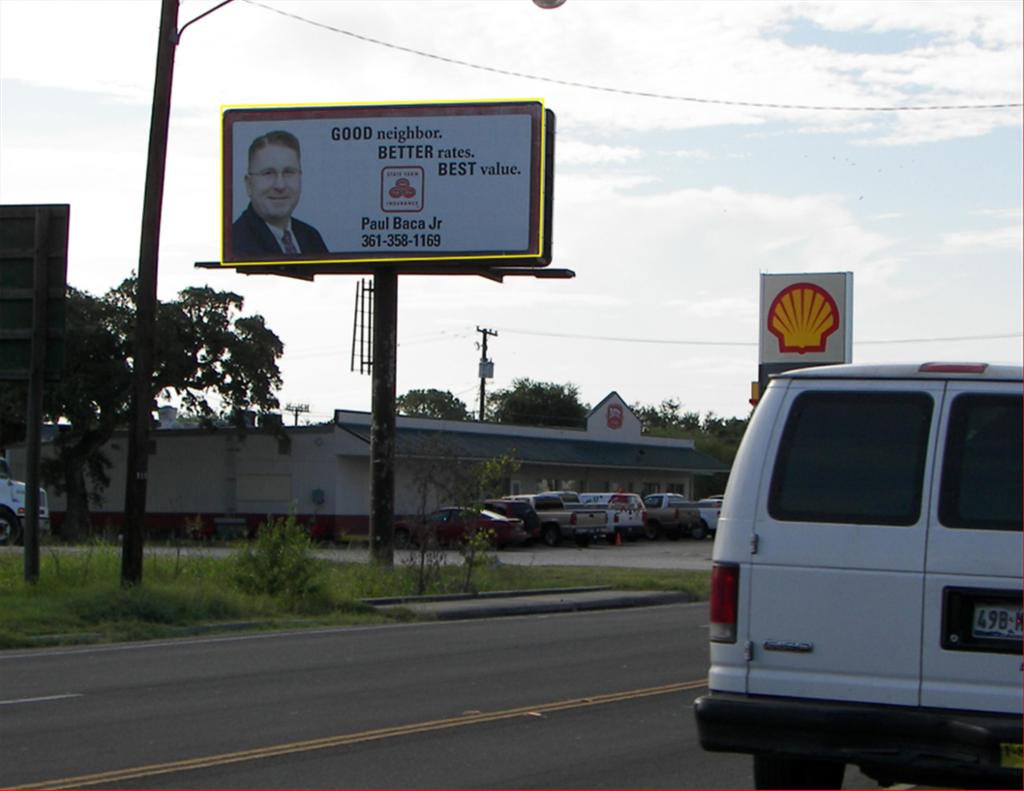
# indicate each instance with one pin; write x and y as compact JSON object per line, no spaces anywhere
{"x":280,"y":562}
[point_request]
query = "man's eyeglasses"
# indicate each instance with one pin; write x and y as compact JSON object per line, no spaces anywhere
{"x":270,"y":174}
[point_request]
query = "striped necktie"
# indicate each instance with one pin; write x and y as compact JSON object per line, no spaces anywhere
{"x":287,"y":244}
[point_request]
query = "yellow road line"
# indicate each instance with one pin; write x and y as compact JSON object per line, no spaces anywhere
{"x":273,"y":751}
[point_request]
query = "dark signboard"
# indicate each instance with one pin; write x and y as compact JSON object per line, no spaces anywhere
{"x":33,"y":245}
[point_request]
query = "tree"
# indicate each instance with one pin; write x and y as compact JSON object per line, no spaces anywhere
{"x":440,"y":404}
{"x":218,"y":364}
{"x":666,"y":416}
{"x":715,"y":436}
{"x":530,"y":403}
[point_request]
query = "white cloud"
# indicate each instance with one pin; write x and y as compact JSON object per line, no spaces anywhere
{"x":1008,"y":238}
{"x":576,"y":152}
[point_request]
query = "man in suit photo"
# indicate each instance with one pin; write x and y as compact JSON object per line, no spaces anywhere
{"x":274,"y":185}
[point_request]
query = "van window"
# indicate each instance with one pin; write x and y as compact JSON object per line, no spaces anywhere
{"x":852,"y":458}
{"x":981,"y":471}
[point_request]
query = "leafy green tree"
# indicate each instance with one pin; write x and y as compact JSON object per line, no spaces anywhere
{"x":666,"y":416}
{"x":718,"y":437}
{"x":440,"y":404}
{"x":530,"y":403}
{"x":216,"y":362}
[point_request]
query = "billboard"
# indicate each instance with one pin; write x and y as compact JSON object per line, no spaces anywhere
{"x":806,"y":319}
{"x":436,"y":182}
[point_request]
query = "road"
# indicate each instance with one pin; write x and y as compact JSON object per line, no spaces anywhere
{"x":599,"y":700}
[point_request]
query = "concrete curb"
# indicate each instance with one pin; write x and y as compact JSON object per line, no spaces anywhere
{"x":539,"y":603}
{"x":457,"y":597}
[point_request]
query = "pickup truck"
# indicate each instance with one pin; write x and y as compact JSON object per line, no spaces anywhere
{"x":672,"y":516}
{"x":627,"y":516}
{"x":709,"y":508}
{"x":559,"y":521}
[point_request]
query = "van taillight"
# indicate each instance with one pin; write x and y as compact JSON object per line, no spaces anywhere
{"x":725,"y":592}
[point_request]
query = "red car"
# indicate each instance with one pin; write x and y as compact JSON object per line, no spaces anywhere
{"x":455,"y":525}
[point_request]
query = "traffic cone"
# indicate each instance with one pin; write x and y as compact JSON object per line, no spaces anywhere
{"x":618,"y":538}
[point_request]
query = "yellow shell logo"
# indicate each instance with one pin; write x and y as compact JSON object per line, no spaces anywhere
{"x":802,"y":317}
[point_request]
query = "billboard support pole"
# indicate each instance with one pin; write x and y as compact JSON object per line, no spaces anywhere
{"x":382,"y":432}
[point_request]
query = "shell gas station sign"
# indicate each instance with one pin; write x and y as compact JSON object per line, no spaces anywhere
{"x":806,"y":319}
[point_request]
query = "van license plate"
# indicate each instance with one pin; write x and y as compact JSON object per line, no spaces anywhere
{"x":997,"y":621}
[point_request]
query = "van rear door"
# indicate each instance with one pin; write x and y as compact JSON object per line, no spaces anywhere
{"x":837,"y":570}
{"x":972,"y":612}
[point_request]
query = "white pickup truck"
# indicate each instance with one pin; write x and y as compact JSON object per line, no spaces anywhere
{"x":12,"y":507}
{"x":627,"y":516}
{"x":709,"y":509}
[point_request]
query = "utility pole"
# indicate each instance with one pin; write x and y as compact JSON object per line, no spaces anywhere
{"x":146,"y":300}
{"x":146,"y":292}
{"x":296,"y":410}
{"x":486,"y":368}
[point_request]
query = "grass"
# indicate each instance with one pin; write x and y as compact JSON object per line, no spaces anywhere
{"x":79,"y":598}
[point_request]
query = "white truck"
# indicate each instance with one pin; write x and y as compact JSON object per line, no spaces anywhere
{"x":627,"y":516}
{"x":709,"y":508}
{"x":12,"y":507}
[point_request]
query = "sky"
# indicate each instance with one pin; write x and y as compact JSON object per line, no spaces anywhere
{"x":679,"y":178}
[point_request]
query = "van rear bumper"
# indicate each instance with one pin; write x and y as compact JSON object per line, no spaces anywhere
{"x":889,"y":743}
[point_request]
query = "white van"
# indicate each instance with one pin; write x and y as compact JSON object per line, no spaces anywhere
{"x":866,"y":582}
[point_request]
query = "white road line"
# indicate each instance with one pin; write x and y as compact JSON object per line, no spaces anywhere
{"x":65,"y":696}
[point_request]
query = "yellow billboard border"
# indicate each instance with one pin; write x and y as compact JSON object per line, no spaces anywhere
{"x":354,"y":262}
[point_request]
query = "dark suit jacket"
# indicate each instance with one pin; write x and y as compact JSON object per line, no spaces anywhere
{"x":249,"y":234}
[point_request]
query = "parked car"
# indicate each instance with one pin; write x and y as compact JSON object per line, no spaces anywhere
{"x":454,"y":525}
{"x":626,"y":513}
{"x":517,"y":509}
{"x":709,"y":509}
{"x":672,"y":516}
{"x":866,"y":580}
{"x":559,"y":520}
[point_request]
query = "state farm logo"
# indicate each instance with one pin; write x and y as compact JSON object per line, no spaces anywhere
{"x":401,"y":189}
{"x":802,"y":317}
{"x":615,"y":415}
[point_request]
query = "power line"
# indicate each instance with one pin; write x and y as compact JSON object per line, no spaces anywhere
{"x":679,"y":342}
{"x":626,"y":91}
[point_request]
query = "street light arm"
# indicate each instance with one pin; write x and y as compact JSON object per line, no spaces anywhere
{"x":178,"y":35}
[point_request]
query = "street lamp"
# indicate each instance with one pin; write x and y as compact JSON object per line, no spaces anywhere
{"x":146,"y":292}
